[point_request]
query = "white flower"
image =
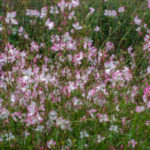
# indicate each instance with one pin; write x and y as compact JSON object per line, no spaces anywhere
{"x":4,"y":113}
{"x":97,"y":28}
{"x":113,"y":128}
{"x":26,"y":36}
{"x":71,"y":15}
{"x":138,"y":29}
{"x":100,"y":138}
{"x":26,"y":133}
{"x":113,"y":13}
{"x":7,"y":137}
{"x":20,"y":29}
{"x":39,"y":128}
{"x":83,"y":134}
{"x":62,"y":123}
{"x":49,"y":24}
{"x":12,"y":99}
{"x":53,"y":115}
{"x":10,"y":18}
{"x":75,"y":3}
{"x":91,"y":10}
{"x":62,"y":5}
{"x":137,"y":20}
{"x":77,"y":26}
{"x":51,"y":143}
{"x":69,"y":142}
{"x":103,"y":118}
{"x":117,"y":108}
{"x":148,"y":69}
{"x":43,"y":12}
{"x":1,"y":28}
{"x":110,"y":13}
{"x":121,"y":9}
{"x":53,"y":10}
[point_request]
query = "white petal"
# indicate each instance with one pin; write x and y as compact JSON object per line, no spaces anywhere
{"x":7,"y":20}
{"x":14,"y":21}
{"x":13,"y":14}
{"x":8,"y":15}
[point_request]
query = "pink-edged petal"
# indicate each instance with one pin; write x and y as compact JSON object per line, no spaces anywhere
{"x":14,"y":21}
{"x":13,"y":14}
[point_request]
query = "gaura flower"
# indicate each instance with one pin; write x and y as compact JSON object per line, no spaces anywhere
{"x":10,"y":18}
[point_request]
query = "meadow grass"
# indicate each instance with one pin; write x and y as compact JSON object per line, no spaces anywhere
{"x":74,"y":74}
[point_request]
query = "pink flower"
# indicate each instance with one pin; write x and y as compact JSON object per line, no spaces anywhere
{"x":123,"y":121}
{"x":148,"y":104}
{"x":34,"y":46}
{"x":78,"y":57}
{"x":137,"y":20}
{"x":53,"y":10}
{"x":62,"y":5}
{"x":109,"y":45}
{"x":121,"y":9}
{"x":147,"y":123}
{"x":148,"y":69}
{"x":97,"y":28}
{"x":77,"y":26}
{"x":75,"y":3}
{"x":132,"y":142}
{"x":10,"y":18}
{"x":30,"y":12}
{"x":91,"y":10}
{"x":147,"y":91}
{"x":114,"y":13}
{"x":148,"y":3}
{"x":91,"y":112}
{"x":51,"y":143}
{"x":58,"y":46}
{"x":110,"y":13}
{"x":147,"y":43}
{"x":49,"y":24}
{"x":140,"y":109}
{"x":100,"y":138}
{"x":71,"y":15}
{"x":43,"y":12}
{"x":130,"y":50}
{"x":102,"y":118}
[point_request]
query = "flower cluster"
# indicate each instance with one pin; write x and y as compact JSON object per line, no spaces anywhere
{"x":74,"y":75}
